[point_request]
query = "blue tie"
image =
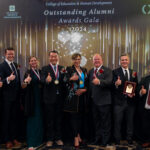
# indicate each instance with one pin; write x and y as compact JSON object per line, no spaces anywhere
{"x":55,"y":68}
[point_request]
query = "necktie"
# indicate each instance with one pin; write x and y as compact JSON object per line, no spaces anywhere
{"x":55,"y":68}
{"x":95,"y":71}
{"x":148,"y":101}
{"x":94,"y":74}
{"x":13,"y":69}
{"x":126,"y":75}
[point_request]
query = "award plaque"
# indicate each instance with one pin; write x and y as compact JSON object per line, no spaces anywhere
{"x":129,"y":87}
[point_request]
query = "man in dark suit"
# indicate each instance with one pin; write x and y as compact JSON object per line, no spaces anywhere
{"x":52,"y":79}
{"x":100,"y":78}
{"x":143,"y":111}
{"x":10,"y":77}
{"x":123,"y":104}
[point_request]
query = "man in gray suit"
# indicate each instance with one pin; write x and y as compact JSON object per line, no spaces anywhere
{"x":100,"y":79}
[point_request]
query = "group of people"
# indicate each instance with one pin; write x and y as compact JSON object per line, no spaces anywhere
{"x":112,"y":97}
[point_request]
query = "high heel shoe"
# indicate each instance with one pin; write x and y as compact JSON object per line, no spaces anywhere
{"x":77,"y":147}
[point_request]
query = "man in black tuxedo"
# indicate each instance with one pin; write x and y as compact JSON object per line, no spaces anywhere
{"x":100,"y":78}
{"x":52,"y":78}
{"x":10,"y":77}
{"x":123,"y":104}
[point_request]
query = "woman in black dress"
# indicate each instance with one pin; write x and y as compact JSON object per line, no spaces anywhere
{"x":33,"y":93}
{"x":75,"y":103}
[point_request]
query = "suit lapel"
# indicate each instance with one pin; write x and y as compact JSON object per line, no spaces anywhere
{"x":92,"y":74}
{"x":130,"y":72}
{"x":121,"y":74}
{"x":7,"y":66}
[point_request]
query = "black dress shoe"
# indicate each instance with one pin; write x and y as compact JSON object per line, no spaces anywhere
{"x":96,"y":142}
{"x":130,"y":142}
{"x":117,"y":142}
{"x":103,"y":144}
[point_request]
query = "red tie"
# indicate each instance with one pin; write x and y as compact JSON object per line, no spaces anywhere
{"x":95,"y":71}
{"x":148,"y":101}
{"x":94,"y":74}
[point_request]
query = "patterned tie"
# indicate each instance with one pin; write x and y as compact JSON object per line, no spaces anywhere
{"x":126,"y":75}
{"x":13,"y":69}
{"x":95,"y":71}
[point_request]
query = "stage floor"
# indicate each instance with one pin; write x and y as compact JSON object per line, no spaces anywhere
{"x":122,"y":146}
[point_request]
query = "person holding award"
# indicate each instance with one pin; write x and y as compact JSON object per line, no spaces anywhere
{"x":124,"y":82}
{"x":33,"y":95}
{"x":52,"y":78}
{"x":75,"y":103}
{"x":100,"y":79}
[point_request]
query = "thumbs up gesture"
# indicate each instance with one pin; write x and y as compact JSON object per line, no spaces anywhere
{"x":28,"y":79}
{"x":49,"y":78}
{"x":143,"y":91}
{"x":118,"y":82}
{"x":74,"y":77}
{"x":96,"y":81}
{"x":1,"y":83}
{"x":11,"y":77}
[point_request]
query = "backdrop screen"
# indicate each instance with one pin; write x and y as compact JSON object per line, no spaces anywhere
{"x":108,"y":27}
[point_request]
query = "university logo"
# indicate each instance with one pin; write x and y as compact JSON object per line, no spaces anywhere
{"x":12,"y":13}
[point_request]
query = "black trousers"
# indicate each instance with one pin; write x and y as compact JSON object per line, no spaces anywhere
{"x":10,"y":120}
{"x":53,"y":120}
{"x":124,"y":111}
{"x":102,"y":121}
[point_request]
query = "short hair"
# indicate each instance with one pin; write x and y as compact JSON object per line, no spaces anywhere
{"x":53,"y":51}
{"x":75,"y":55}
{"x":124,"y":54}
{"x":9,"y":49}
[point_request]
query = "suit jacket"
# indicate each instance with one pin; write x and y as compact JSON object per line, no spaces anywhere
{"x":10,"y":92}
{"x":74,"y":103}
{"x":145,"y":82}
{"x":118,"y":97}
{"x":71,"y":70}
{"x":101,"y":94}
{"x":50,"y":90}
